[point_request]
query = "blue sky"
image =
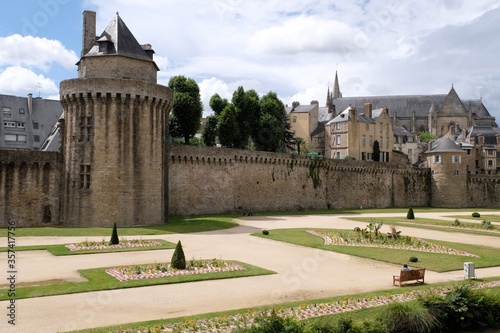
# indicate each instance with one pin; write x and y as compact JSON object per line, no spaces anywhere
{"x":293,"y":47}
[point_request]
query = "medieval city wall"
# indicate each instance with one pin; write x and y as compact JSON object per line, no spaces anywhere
{"x":29,"y":187}
{"x":216,"y":180}
{"x":483,"y":191}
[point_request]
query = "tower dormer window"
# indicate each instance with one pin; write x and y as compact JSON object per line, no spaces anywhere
{"x":85,"y":129}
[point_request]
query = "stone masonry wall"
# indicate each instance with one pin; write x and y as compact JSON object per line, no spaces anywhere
{"x":29,"y":187}
{"x":216,"y":180}
{"x":483,"y":191}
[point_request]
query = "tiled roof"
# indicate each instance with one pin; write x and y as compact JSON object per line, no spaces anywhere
{"x":300,"y":108}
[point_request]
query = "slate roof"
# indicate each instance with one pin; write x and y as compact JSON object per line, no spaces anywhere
{"x":323,"y":114}
{"x":488,"y":132}
{"x":121,"y":42}
{"x":401,"y":131}
{"x":300,"y":108}
{"x":444,"y":145}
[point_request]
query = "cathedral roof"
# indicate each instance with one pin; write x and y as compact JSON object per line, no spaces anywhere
{"x":120,"y":41}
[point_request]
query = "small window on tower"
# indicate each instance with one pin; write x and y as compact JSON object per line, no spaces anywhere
{"x":85,"y":176}
{"x":85,"y":129}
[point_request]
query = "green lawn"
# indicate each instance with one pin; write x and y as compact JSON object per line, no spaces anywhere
{"x":434,"y":261}
{"x":358,"y":315}
{"x":98,"y":280}
{"x":176,"y":224}
{"x":428,"y":223}
{"x":488,"y":217}
{"x":62,"y":250}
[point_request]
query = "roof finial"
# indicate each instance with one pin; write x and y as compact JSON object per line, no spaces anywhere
{"x":117,"y":14}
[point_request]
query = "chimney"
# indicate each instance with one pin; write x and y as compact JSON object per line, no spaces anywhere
{"x":314,"y":102}
{"x":148,"y":49}
{"x":368,"y":110}
{"x":88,"y":35}
{"x":30,"y":104}
{"x":464,"y":134}
{"x":294,"y":104}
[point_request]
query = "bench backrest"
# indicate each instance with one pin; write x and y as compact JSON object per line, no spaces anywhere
{"x":412,"y":274}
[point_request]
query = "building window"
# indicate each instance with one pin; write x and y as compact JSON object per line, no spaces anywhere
{"x":294,"y":119}
{"x":468,"y":151}
{"x":36,"y":138}
{"x":338,"y":155}
{"x":367,"y":126}
{"x":6,"y":112}
{"x":20,"y":125}
{"x":364,"y":140}
{"x":21,"y":111}
{"x":363,"y":156}
{"x":387,"y":143}
{"x":338,"y":140}
{"x":9,"y":124}
{"x":84,"y":176}
{"x":338,"y":126}
{"x":456,"y":159}
{"x":85,"y":129}
{"x":371,"y":141}
{"x":380,"y":127}
{"x":456,"y":172}
{"x":15,"y":137}
{"x":387,"y":128}
{"x":490,"y":163}
{"x":35,"y":125}
{"x":437,"y":158}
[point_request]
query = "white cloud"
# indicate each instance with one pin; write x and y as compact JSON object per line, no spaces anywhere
{"x":307,"y":34}
{"x":18,"y":80}
{"x":29,"y":51}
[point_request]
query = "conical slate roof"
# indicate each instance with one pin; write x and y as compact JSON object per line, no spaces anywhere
{"x":120,"y":42}
{"x":445,"y":145}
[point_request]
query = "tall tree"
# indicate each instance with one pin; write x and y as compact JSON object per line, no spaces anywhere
{"x":271,"y":126}
{"x":217,"y":104}
{"x":247,"y":110}
{"x":209,"y":134}
{"x":227,"y":127}
{"x":187,"y":106}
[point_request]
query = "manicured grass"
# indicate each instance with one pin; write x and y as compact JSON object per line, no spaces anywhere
{"x":98,"y":280}
{"x":488,"y":217}
{"x":358,"y":315}
{"x":62,"y":250}
{"x":176,"y":224}
{"x":434,"y":261}
{"x":428,"y":223}
{"x":403,"y":211}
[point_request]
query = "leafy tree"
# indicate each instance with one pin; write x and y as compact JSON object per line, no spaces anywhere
{"x":209,"y":134}
{"x":217,"y":104}
{"x":114,"y":236}
{"x":376,"y":151}
{"x":173,"y":127}
{"x":426,"y":136}
{"x":178,"y":259}
{"x":187,"y":107}
{"x":247,"y":106}
{"x":269,"y":134}
{"x":227,"y":127}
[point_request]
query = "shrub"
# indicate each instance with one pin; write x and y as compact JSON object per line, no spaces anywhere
{"x":487,"y":224}
{"x":273,"y":323}
{"x":114,"y":236}
{"x":476,"y":214}
{"x":457,"y":222}
{"x":178,"y":259}
{"x":410,"y":215}
{"x":464,"y":308}
{"x":265,"y":232}
{"x":409,"y":317}
{"x":413,"y":259}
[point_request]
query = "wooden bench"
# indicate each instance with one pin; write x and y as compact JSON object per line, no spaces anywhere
{"x":410,"y":275}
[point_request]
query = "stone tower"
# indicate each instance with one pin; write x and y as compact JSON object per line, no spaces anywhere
{"x":448,"y":173}
{"x":114,"y":132}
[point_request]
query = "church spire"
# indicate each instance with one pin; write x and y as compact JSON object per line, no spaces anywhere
{"x":336,"y":88}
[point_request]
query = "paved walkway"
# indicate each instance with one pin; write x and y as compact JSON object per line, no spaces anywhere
{"x":303,"y":273}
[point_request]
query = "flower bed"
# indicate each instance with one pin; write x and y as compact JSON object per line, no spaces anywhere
{"x":417,"y":244}
{"x":104,"y":245}
{"x":159,"y":270}
{"x":226,"y":324}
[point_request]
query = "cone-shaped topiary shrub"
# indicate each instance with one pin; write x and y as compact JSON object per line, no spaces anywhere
{"x":410,"y":215}
{"x":178,"y":259}
{"x":114,"y":236}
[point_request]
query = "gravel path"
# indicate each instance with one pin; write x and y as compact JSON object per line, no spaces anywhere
{"x":303,"y":273}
